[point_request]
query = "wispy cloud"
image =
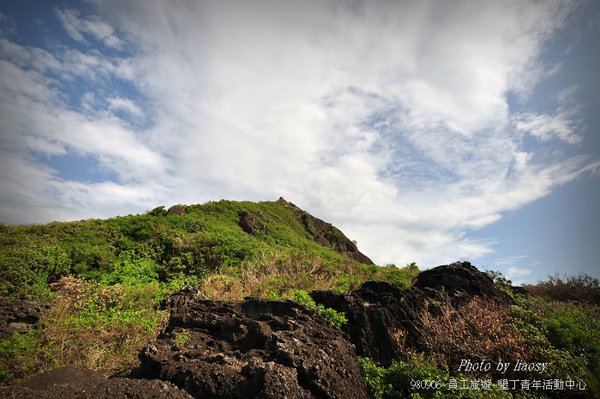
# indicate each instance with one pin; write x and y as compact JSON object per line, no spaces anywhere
{"x":562,"y":126}
{"x":390,"y":119}
{"x":78,"y":27}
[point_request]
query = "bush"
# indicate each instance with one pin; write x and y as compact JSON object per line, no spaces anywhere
{"x":579,"y":289}
{"x":408,"y":379}
{"x":21,"y":355}
{"x":336,"y":318}
{"x":564,"y":335}
{"x":476,"y":330}
{"x":99,"y":327}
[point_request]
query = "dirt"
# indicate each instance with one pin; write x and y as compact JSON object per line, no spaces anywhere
{"x":78,"y":383}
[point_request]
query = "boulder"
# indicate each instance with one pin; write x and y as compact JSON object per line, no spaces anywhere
{"x":461,"y":280}
{"x":251,"y":349}
{"x":176,"y":210}
{"x":251,"y":223}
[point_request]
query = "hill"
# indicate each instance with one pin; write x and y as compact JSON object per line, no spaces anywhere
{"x":263,"y":300}
{"x":185,"y":244}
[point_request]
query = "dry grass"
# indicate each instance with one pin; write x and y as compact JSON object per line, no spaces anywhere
{"x":275,"y":276}
{"x":478,"y":329}
{"x":581,"y":289}
{"x":95,"y":328}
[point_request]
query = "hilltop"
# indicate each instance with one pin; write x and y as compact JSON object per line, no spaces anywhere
{"x":184,"y":244}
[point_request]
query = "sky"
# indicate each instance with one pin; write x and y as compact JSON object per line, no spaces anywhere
{"x":427,"y":131}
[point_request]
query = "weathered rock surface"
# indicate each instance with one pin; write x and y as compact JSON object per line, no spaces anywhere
{"x":19,"y":316}
{"x":383,"y":320}
{"x":176,"y":210}
{"x":327,"y":235}
{"x":251,"y":349}
{"x":78,"y":383}
{"x":460,"y":280}
{"x":251,"y":223}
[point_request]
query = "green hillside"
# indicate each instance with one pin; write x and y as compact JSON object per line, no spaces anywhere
{"x":195,"y":243}
{"x":105,"y":278}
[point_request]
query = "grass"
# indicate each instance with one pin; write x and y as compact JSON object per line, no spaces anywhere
{"x":105,"y":278}
{"x":203,"y":242}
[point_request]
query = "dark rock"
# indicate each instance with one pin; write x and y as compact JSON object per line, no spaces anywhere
{"x":176,"y":210}
{"x":518,"y":290}
{"x":461,"y":279}
{"x":327,"y":235}
{"x":251,"y":349}
{"x":384,"y":321}
{"x":19,"y":316}
{"x":76,"y":382}
{"x":251,"y":224}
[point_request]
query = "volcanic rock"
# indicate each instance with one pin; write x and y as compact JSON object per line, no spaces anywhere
{"x":251,"y":349}
{"x":19,"y":316}
{"x":327,"y":235}
{"x":384,"y":320}
{"x":250,"y":223}
{"x":460,"y":280}
{"x":73,"y":382}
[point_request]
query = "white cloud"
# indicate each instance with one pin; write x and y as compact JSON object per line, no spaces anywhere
{"x":125,"y":104}
{"x":562,"y":126}
{"x":389,"y":119}
{"x":77,"y":27}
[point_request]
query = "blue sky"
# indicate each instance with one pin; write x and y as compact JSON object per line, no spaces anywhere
{"x":428,"y":131}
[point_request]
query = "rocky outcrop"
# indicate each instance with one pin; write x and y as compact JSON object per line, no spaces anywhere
{"x":251,"y":224}
{"x":251,"y":349}
{"x":384,"y":321}
{"x":78,"y":383}
{"x":176,"y":210}
{"x":19,"y":316}
{"x":460,"y":280}
{"x":327,"y":235}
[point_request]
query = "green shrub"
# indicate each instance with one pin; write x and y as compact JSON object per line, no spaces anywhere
{"x":407,"y":379}
{"x":182,"y":338}
{"x":21,"y":355}
{"x":132,"y":272}
{"x":336,"y":318}
{"x":564,"y":335}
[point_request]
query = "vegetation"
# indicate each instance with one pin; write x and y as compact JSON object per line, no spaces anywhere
{"x":105,"y":278}
{"x":420,"y":378}
{"x":205,"y":242}
{"x":561,"y":328}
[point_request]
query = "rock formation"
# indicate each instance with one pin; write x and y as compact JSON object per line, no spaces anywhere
{"x":251,"y":349}
{"x":19,"y":316}
{"x":327,"y":235}
{"x":383,"y":320}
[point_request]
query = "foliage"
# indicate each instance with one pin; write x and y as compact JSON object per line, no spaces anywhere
{"x":19,"y":356}
{"x":403,"y":379}
{"x":477,"y":329}
{"x":206,"y":241}
{"x":580,"y":288}
{"x":90,"y":324}
{"x":564,"y":334}
{"x":182,"y":338}
{"x":336,"y":318}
